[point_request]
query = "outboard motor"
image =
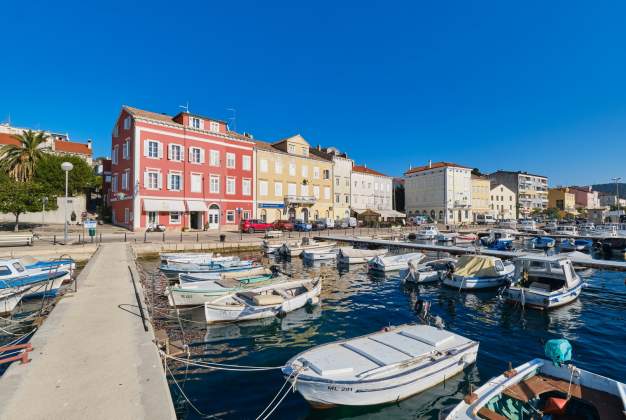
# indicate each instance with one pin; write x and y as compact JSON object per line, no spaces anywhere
{"x":275,"y":270}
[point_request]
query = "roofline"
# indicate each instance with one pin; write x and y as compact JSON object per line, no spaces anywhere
{"x":518,"y":173}
{"x":191,"y":114}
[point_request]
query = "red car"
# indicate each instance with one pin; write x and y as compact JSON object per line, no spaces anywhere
{"x":255,"y":225}
{"x":284,"y":225}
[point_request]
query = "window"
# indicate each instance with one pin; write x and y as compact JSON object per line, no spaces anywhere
{"x":246,"y":187}
{"x":263,"y":188}
{"x":230,"y":185}
{"x":214,"y":156}
{"x":326,"y":174}
{"x":292,"y":169}
{"x":316,"y":191}
{"x":246,"y":163}
{"x":230,"y":160}
{"x":5,"y":270}
{"x":196,"y":122}
{"x":278,"y":189}
{"x":291,"y":189}
{"x":126,"y":215}
{"x":278,"y":167}
{"x":316,"y":172}
{"x":196,"y":183}
{"x":263,"y":165}
{"x":174,"y":181}
{"x":126,"y":150}
{"x":246,"y":215}
{"x":152,"y":217}
{"x":175,"y":152}
{"x":214,"y":184}
{"x":304,"y":190}
{"x":214,"y":126}
{"x":305,"y":171}
{"x":151,"y":180}
{"x":114,"y":183}
{"x":326,"y":193}
{"x":347,"y":199}
{"x":230,"y":216}
{"x":175,"y":217}
{"x":127,"y":123}
{"x":291,"y":148}
{"x":116,"y":131}
{"x":196,"y":155}
{"x":153,"y":149}
{"x":114,"y":157}
{"x":337,"y":181}
{"x":125,"y":180}
{"x":337,"y":198}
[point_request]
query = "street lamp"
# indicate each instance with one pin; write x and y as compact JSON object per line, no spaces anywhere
{"x":67,"y":167}
{"x":617,"y":180}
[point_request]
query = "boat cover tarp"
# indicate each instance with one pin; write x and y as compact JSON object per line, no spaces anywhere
{"x":476,"y":266}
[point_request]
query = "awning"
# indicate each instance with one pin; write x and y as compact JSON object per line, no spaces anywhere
{"x":390,"y":213}
{"x":163,"y":205}
{"x":196,"y":205}
{"x":359,"y":211}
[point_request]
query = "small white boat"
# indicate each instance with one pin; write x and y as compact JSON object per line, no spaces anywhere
{"x":194,"y":277}
{"x":429,"y":232}
{"x":446,"y":237}
{"x":394,"y":262}
{"x":544,"y":282}
{"x":39,"y":281}
{"x":382,"y":367}
{"x":349,"y":255}
{"x":497,"y":234}
{"x":479,"y":272}
{"x":263,"y":302}
{"x":566,"y":230}
{"x":320,"y":254}
{"x":186,"y":257}
{"x":428,"y":272}
{"x":295,"y":250}
{"x":544,"y":389}
{"x":10,"y":298}
{"x":272,"y":247}
{"x":466,"y":238}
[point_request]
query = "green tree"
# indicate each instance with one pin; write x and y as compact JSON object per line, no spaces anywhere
{"x":49,"y":173}
{"x":20,"y":160}
{"x":21,"y":197}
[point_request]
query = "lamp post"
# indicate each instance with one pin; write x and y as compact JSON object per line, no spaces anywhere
{"x":67,"y":167}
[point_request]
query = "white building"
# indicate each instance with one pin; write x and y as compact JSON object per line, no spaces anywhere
{"x":503,"y":202}
{"x":371,"y":190}
{"x":440,"y":190}
{"x":342,"y":174}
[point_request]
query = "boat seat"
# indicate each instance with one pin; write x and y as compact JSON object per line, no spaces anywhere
{"x":544,"y":287}
{"x":487,"y":414}
{"x":430,"y":336}
{"x":267,"y":300}
{"x":228,"y":283}
{"x":376,"y":352}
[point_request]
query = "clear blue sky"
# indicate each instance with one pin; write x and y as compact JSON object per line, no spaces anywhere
{"x":537,"y":86}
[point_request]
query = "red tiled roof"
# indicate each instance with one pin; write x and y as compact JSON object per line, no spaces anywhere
{"x":366,"y":170}
{"x":71,"y":147}
{"x":8,"y":139}
{"x":434,"y":166}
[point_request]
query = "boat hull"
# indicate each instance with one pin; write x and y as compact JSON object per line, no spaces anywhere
{"x":467,"y":283}
{"x":535,"y":299}
{"x":420,"y":276}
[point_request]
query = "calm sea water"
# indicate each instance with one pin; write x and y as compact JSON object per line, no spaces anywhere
{"x":355,"y":303}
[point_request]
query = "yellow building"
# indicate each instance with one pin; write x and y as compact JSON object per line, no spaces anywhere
{"x":291,"y":182}
{"x":481,"y":189}
{"x":562,"y":199}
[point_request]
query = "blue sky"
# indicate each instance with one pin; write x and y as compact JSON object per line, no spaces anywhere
{"x":537,"y":86}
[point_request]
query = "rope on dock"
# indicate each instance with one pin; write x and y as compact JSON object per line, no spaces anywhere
{"x":183,"y":393}
{"x":220,"y":366}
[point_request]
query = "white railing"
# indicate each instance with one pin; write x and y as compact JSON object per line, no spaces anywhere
{"x":301,"y":199}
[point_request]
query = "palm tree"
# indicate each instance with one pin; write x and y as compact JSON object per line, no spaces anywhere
{"x":19,"y":160}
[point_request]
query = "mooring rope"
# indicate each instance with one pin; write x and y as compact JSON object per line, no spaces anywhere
{"x":286,"y":392}
{"x":221,"y":366}
{"x":183,"y":393}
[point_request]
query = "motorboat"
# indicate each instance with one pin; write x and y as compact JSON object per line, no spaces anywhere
{"x":615,"y":246}
{"x":466,"y":238}
{"x":566,"y":230}
{"x":306,"y":244}
{"x":607,"y":230}
{"x":545,"y":389}
{"x":507,"y":224}
{"x":550,"y":226}
{"x":428,"y":232}
{"x":479,"y":272}
{"x":495,"y":234}
{"x":251,"y":272}
{"x":544,"y":282}
{"x":11,"y":297}
{"x":32,"y":263}
{"x":526,"y":225}
{"x":536,"y":232}
{"x":428,"y":272}
{"x":501,"y":245}
{"x":570,"y":244}
{"x":40,"y":283}
{"x":349,"y":255}
{"x":446,"y":236}
{"x":213,"y":267}
{"x":199,"y":292}
{"x":196,"y":258}
{"x":394,"y":262}
{"x":382,"y":367}
{"x":542,"y":242}
{"x":320,"y":254}
{"x":263,"y":302}
{"x":272,"y":246}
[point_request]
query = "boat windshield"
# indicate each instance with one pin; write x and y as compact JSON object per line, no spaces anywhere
{"x":4,"y":270}
{"x":19,"y":267}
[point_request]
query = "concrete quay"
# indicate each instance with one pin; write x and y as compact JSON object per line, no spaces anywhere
{"x":91,"y":359}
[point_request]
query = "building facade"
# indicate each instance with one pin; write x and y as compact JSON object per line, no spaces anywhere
{"x":342,"y":172}
{"x":441,"y":190}
{"x":370,"y":190}
{"x":585,"y":197}
{"x":481,"y":189}
{"x":562,"y":199}
{"x":185,"y":171}
{"x":291,"y":182}
{"x":611,"y":200}
{"x":531,"y":190}
{"x":502,"y":202}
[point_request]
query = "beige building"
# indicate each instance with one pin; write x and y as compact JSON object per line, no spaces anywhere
{"x":481,"y":189}
{"x":503,"y":202}
{"x":342,"y":172}
{"x":291,"y":182}
{"x":562,"y":199}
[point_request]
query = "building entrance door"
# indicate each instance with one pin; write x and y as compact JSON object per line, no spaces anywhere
{"x":195,"y":220}
{"x":305,"y":215}
{"x":214,"y":216}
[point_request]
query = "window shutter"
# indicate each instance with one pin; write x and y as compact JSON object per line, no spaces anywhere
{"x":169,"y":181}
{"x":169,"y":152}
{"x":201,"y":155}
{"x":145,"y":148}
{"x":160,"y":150}
{"x":182,"y":181}
{"x":201,"y":124}
{"x":190,"y":149}
{"x":182,"y":153}
{"x":160,"y":180}
{"x":145,"y":180}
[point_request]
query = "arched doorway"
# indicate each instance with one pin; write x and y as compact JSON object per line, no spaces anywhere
{"x":278,"y":215}
{"x":214,"y":216}
{"x":305,"y":214}
{"x":432,"y":214}
{"x":317,"y":215}
{"x":460,"y":216}
{"x":292,"y":214}
{"x":264,"y":215}
{"x":440,"y":215}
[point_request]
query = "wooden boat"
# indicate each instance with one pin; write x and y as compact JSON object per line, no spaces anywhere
{"x":544,"y":282}
{"x":383,"y":367}
{"x":295,"y":250}
{"x":541,"y":388}
{"x":479,"y":272}
{"x":199,"y":292}
{"x":263,"y":302}
{"x":320,"y":254}
{"x":428,"y":272}
{"x":213,"y":267}
{"x":195,"y":258}
{"x":349,"y":255}
{"x":394,"y":262}
{"x":251,"y":272}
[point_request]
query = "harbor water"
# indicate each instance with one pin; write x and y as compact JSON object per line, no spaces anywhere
{"x":354,"y":303}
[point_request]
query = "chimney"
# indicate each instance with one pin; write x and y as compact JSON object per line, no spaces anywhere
{"x":365,"y":165}
{"x":89,"y":144}
{"x":319,"y":147}
{"x":430,"y":164}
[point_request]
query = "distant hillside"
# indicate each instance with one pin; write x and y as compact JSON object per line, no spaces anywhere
{"x":610,"y":188}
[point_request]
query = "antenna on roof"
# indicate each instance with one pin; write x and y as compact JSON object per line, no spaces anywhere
{"x":185,"y":107}
{"x":233,"y":119}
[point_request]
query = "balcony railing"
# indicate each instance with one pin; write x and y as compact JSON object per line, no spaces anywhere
{"x":300,"y":199}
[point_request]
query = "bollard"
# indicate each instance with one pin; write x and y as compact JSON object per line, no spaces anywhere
{"x":145,"y":236}
{"x":100,"y":238}
{"x":181,"y":235}
{"x":124,"y":236}
{"x":197,"y":237}
{"x":163,"y":236}
{"x":54,"y":240}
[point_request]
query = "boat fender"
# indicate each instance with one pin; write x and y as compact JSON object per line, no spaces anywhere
{"x":386,"y":329}
{"x":281,"y":314}
{"x":314,"y":300}
{"x":470,"y":398}
{"x":555,"y":405}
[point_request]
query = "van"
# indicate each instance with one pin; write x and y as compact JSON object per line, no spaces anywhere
{"x":485,"y":219}
{"x":330,"y":223}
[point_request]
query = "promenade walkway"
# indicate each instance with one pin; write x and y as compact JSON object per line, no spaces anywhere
{"x":91,"y":359}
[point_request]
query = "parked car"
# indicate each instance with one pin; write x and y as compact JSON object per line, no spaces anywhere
{"x":255,"y":225}
{"x":302,"y":226}
{"x":319,"y":224}
{"x":485,"y":219}
{"x":284,"y":225}
{"x":330,"y":223}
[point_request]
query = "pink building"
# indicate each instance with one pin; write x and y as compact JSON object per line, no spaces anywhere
{"x":585,"y":197}
{"x":183,"y":171}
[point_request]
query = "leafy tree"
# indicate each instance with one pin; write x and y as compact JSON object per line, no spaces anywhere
{"x":20,"y":160}
{"x":49,"y":173}
{"x":554,"y":213}
{"x":21,"y":197}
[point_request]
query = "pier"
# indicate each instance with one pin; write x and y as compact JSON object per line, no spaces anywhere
{"x":470,"y":249}
{"x":91,"y":359}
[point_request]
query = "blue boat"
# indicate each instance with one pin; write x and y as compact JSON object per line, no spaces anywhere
{"x":502,"y":245}
{"x":13,"y":275}
{"x":576,"y":245}
{"x":174,"y":268}
{"x":35,"y":264}
{"x":542,"y":242}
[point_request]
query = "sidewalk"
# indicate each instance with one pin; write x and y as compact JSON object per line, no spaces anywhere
{"x":91,"y":359}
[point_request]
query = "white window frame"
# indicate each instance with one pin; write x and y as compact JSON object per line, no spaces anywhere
{"x":316,"y":191}
{"x":292,"y":169}
{"x":305,"y":171}
{"x":114,"y":183}
{"x":263,"y":188}
{"x":127,"y":122}
{"x":214,"y":126}
{"x":196,"y":158}
{"x":114,"y":155}
{"x":292,"y":189}
{"x":278,"y":166}
{"x":126,"y":149}
{"x":147,"y":180}
{"x":214,"y":158}
{"x":230,"y":213}
{"x":231,"y":181}
{"x":196,"y":122}
{"x":170,"y":152}
{"x":231,"y":160}
{"x":278,"y":189}
{"x":191,"y":184}
{"x":246,"y":186}
{"x":116,"y":131}
{"x":125,"y":179}
{"x":326,"y":193}
{"x":316,"y":172}
{"x":149,"y":151}
{"x":246,"y":162}
{"x":176,"y":222}
{"x":263,"y":165}
{"x":304,"y":190}
{"x":155,"y":219}
{"x":170,"y":177}
{"x":213,"y":177}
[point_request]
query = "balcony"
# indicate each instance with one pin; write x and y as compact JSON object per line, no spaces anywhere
{"x":307,"y":200}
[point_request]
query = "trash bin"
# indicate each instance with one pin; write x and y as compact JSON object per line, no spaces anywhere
{"x":222,"y":237}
